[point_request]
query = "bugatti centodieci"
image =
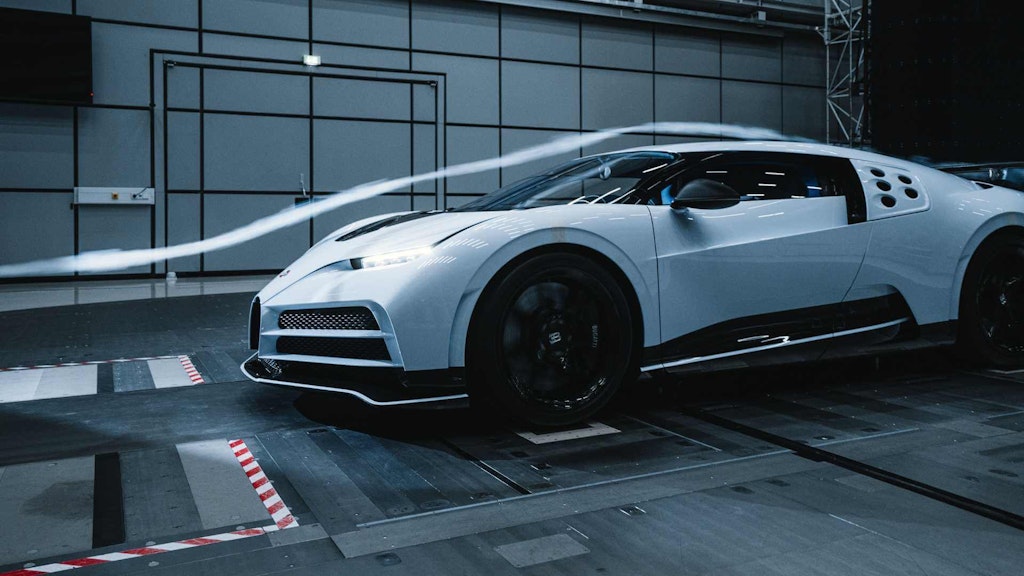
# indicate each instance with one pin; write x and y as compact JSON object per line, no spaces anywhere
{"x":546,"y":297}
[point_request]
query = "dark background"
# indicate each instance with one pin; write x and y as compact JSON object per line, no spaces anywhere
{"x":946,"y":79}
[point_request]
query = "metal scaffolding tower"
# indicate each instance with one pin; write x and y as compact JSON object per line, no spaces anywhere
{"x":846,"y":34}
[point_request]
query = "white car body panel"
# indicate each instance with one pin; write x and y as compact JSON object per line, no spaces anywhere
{"x":689,"y":269}
{"x":753,"y":258}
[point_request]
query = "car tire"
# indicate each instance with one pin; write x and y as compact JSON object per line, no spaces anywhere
{"x":991,"y":325}
{"x":552,"y":341}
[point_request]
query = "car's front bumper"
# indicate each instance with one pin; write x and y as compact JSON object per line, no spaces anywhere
{"x":376,"y":386}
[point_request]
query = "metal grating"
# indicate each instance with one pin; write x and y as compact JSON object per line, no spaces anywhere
{"x":351,"y":318}
{"x":355,"y":348}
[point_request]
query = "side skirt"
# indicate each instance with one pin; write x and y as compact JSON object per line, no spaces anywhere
{"x":851,"y":328}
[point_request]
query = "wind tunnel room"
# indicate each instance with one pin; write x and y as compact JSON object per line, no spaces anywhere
{"x":435,"y":287}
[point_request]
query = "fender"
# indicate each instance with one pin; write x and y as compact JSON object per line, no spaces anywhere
{"x":644,"y":285}
{"x":1000,"y":223}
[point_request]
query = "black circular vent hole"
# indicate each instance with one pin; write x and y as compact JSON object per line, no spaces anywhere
{"x":888,"y":201}
{"x":911,"y":193}
{"x":878,"y":173}
{"x":905,"y":179}
{"x":883,"y":185}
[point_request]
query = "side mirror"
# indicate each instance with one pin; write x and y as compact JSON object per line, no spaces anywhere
{"x":705,"y":194}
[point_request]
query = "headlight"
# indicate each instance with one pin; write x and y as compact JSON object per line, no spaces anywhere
{"x":390,"y":258}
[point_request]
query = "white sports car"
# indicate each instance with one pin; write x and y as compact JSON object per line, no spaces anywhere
{"x":547,"y":296}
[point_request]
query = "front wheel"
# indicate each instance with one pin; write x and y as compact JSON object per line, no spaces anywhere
{"x":553,"y":340}
{"x":992,"y":305}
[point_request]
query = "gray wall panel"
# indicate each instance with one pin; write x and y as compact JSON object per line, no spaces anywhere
{"x":752,"y":104}
{"x":612,"y":98}
{"x":183,"y":151}
{"x":100,"y":161}
{"x":36,"y":146}
{"x":425,"y":158}
{"x":254,"y":47}
{"x":359,"y":56}
{"x":369,"y":22}
{"x":287,"y":18}
{"x":540,"y":95}
{"x":456,"y":201}
{"x":751,"y":58}
{"x":803,"y":112}
{"x":514,"y":139}
{"x":255,"y":92}
{"x":255,"y":153}
{"x":63,"y":6}
{"x":114,"y":228}
{"x":469,"y":144}
{"x":425,"y":203}
{"x":183,"y":226}
{"x":803,"y":61}
{"x":177,"y":13}
{"x":687,"y":51}
{"x":331,"y":221}
{"x":35,"y":225}
{"x":225,"y":212}
{"x":619,"y":143}
{"x":350,"y":153}
{"x":182,"y":86}
{"x":531,"y":35}
{"x":120,"y":60}
{"x":426,"y":102}
{"x":683,"y":98}
{"x":472,"y":85}
{"x":361,"y":98}
{"x":664,"y":140}
{"x":461,"y":27}
{"x":618,"y":44}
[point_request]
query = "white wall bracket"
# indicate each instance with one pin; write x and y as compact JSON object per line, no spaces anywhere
{"x":118,"y":196}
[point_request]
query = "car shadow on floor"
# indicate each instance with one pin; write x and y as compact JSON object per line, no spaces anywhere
{"x":693,"y":390}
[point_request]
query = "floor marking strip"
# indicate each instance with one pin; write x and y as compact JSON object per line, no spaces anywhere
{"x":260,"y":483}
{"x":31,"y":570}
{"x":282,"y":516}
{"x":190,"y":369}
{"x":89,"y":363}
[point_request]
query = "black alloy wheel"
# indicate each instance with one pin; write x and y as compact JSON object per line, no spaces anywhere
{"x":992,"y":305}
{"x":554,"y":340}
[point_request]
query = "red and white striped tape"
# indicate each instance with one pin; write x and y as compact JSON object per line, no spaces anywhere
{"x":190,"y":369}
{"x":136,"y":552}
{"x":88,"y":363}
{"x":278,"y":510}
{"x":275,"y":506}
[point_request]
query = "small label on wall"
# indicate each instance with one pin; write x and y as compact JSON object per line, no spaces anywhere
{"x":121,"y":196}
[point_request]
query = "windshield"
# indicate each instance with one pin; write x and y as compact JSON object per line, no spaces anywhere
{"x":606,"y":179}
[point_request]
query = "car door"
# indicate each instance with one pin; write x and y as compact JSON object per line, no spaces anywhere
{"x":766,"y":273}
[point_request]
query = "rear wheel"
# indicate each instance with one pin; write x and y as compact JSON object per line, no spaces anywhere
{"x":552,"y":341}
{"x":992,"y":304}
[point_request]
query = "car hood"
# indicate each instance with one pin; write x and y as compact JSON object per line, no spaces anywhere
{"x":412,"y":230}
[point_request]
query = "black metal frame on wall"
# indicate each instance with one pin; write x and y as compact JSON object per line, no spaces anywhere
{"x":173,"y":59}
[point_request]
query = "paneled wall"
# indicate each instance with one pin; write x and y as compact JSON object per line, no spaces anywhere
{"x":207,"y":101}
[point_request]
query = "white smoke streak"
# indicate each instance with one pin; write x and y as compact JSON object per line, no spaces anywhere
{"x":110,"y":260}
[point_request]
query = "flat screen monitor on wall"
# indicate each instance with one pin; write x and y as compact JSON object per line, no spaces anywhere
{"x":45,"y":56}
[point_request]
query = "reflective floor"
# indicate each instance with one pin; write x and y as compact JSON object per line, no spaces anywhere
{"x":147,"y":452}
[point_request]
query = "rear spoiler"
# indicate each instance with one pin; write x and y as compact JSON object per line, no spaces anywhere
{"x":1006,"y":174}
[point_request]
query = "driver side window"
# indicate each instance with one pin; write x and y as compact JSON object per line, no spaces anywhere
{"x":764,"y":180}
